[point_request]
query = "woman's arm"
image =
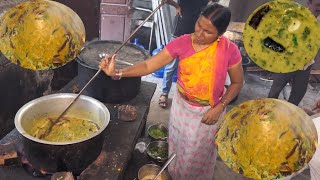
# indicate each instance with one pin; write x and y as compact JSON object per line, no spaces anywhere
{"x":176,"y":5}
{"x":143,"y":68}
{"x":236,"y":77}
{"x":173,"y":3}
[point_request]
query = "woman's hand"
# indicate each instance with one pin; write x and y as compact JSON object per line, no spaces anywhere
{"x":174,"y":4}
{"x":316,"y":106}
{"x":212,"y":115}
{"x":107,"y":65}
{"x":178,"y":11}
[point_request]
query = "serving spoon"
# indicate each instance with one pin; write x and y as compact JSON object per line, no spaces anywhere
{"x":94,"y":76}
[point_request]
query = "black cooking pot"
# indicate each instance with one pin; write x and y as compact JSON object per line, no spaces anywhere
{"x":103,"y":87}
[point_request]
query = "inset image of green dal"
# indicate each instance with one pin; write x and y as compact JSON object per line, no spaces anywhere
{"x":281,"y":36}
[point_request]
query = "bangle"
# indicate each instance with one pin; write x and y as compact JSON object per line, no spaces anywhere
{"x":223,"y":103}
{"x":118,"y":75}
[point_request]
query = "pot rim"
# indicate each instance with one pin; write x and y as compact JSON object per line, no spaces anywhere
{"x":53,"y":96}
{"x":85,"y":65}
{"x":152,"y":165}
{"x":157,"y":142}
{"x":81,"y":61}
{"x":158,"y":125}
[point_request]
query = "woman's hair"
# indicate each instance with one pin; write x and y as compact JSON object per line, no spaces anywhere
{"x":218,"y":15}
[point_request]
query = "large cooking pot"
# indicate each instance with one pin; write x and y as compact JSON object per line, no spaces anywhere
{"x":103,"y":87}
{"x":266,"y":139}
{"x":72,"y":156}
{"x":29,"y":27}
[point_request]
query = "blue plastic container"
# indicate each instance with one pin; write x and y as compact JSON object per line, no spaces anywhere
{"x":158,"y":73}
{"x":137,"y":43}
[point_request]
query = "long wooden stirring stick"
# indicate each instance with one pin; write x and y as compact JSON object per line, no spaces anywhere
{"x":94,"y":76}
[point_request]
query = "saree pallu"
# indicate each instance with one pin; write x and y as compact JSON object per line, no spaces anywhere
{"x":192,"y":141}
{"x":202,"y":75}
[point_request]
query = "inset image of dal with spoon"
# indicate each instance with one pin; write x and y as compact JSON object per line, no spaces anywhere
{"x":281,"y":36}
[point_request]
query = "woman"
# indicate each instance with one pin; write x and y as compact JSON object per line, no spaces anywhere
{"x":205,"y":57}
{"x":187,"y":13}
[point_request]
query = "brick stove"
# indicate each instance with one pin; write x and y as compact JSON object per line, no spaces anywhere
{"x":119,"y":141}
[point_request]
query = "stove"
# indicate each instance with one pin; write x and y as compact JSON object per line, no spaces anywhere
{"x":119,"y":141}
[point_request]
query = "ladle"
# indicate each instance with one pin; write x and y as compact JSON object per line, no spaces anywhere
{"x":173,"y":155}
{"x":94,"y":76}
{"x":101,"y":55}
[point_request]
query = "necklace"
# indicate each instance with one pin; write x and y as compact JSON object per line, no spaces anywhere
{"x":197,"y":47}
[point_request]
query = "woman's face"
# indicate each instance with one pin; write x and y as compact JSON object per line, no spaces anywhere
{"x":205,"y":32}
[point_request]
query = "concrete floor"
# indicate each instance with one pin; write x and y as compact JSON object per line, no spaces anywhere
{"x":254,"y":88}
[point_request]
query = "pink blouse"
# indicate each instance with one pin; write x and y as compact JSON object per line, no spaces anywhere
{"x":181,"y":48}
{"x":226,"y":55}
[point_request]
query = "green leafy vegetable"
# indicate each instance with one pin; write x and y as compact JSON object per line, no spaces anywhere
{"x":161,"y":152}
{"x":158,"y":133}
